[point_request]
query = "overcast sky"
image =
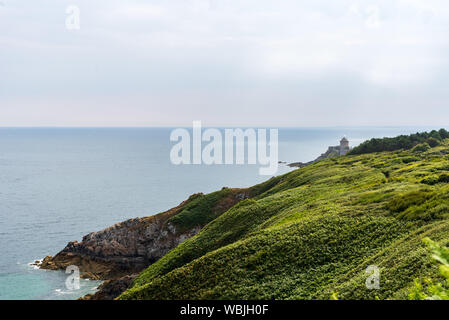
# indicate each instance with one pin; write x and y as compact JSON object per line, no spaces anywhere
{"x":225,"y":62}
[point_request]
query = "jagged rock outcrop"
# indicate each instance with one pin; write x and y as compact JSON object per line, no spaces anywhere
{"x":118,"y":253}
{"x":110,"y":289}
{"x":121,"y":249}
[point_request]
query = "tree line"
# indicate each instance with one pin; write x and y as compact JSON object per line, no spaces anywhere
{"x":432,"y":138}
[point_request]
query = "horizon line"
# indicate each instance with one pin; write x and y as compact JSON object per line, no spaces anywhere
{"x":221,"y":126}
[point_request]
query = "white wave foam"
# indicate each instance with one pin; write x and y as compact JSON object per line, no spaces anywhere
{"x":35,"y":263}
{"x":60,"y":291}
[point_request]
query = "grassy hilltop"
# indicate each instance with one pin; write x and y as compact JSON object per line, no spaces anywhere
{"x":312,"y":233}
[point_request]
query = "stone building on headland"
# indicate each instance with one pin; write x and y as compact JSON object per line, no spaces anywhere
{"x":344,"y":146}
{"x":332,"y":151}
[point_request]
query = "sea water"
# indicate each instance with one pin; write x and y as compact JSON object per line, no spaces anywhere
{"x":58,"y":184}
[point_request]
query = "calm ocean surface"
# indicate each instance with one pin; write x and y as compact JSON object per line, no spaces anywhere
{"x":57,"y":185}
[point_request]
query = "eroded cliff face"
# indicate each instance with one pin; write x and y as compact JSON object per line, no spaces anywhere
{"x":124,"y":248}
{"x":120,"y":252}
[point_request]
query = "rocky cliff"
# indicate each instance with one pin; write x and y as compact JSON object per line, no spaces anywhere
{"x":118,"y":253}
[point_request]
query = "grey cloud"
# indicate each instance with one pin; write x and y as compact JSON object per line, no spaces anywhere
{"x":226,"y":62}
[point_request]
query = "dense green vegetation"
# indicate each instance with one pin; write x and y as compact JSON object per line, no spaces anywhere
{"x":312,"y":233}
{"x":424,"y":139}
{"x":200,"y":209}
{"x":431,"y":290}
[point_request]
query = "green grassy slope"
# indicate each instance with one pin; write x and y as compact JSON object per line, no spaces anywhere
{"x":312,"y":233}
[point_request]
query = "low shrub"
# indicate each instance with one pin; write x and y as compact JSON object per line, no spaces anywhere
{"x":430,"y":180}
{"x":422,"y":147}
{"x":403,"y":202}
